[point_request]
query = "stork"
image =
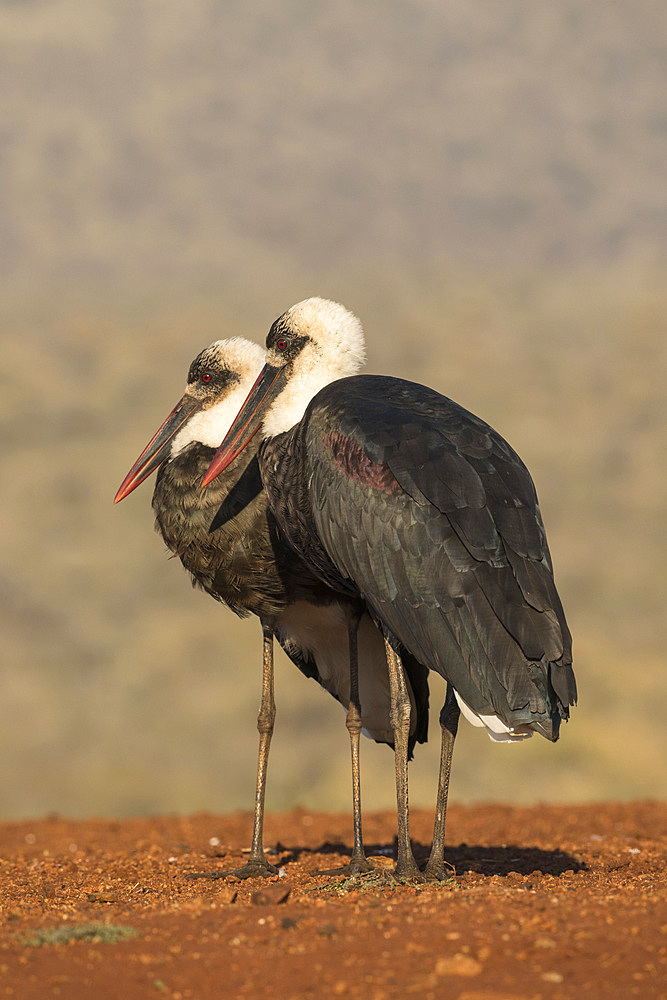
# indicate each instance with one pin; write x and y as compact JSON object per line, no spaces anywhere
{"x":397,"y":494}
{"x":227,"y":539}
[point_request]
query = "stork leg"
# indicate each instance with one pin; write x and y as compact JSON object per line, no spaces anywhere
{"x":406,"y":866}
{"x":437,"y":868}
{"x":257,"y":865}
{"x":358,"y":863}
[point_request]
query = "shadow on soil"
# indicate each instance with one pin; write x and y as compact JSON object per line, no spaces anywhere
{"x":495,"y":860}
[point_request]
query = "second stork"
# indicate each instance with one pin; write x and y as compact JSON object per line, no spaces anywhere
{"x":395,"y":493}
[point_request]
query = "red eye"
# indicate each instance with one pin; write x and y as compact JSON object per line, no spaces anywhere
{"x":206,"y":377}
{"x":281,"y":345}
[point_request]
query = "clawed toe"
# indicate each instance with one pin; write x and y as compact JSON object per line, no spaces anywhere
{"x":253,"y":869}
{"x":443,"y":872}
{"x":408,"y":878}
{"x":356,"y":866}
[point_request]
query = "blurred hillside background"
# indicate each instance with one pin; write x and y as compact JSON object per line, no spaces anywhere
{"x":484,"y":184}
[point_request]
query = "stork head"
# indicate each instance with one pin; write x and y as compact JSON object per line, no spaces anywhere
{"x":218,"y":381}
{"x":312,"y":344}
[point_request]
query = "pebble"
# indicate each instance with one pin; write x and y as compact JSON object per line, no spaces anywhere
{"x":102,"y":897}
{"x":272,"y":895}
{"x":457,"y":965}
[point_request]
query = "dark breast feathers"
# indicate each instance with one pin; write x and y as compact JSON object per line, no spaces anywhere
{"x":221,"y":534}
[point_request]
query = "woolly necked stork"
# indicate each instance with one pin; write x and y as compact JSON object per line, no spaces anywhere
{"x":227,"y":539}
{"x":395,"y":493}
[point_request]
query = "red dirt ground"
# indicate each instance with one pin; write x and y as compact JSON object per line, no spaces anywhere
{"x":547,"y":903}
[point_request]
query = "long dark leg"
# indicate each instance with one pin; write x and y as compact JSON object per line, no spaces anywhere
{"x":265,"y":721}
{"x":353,"y":723}
{"x":449,"y":723}
{"x":358,"y":863}
{"x":257,"y":865}
{"x":406,"y":866}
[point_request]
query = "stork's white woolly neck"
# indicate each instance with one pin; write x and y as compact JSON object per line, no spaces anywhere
{"x":335,"y":350}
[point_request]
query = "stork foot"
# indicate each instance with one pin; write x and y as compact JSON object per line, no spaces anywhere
{"x":407,"y":873}
{"x":252,"y":869}
{"x":439,"y":872}
{"x":355,"y":866}
{"x":417,"y":879}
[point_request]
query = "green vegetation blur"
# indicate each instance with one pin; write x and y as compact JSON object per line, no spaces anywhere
{"x":483,"y":184}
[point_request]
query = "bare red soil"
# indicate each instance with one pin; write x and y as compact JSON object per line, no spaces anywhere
{"x":547,"y":903}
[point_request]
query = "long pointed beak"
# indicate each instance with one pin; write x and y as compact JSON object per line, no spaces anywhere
{"x":269,"y":384}
{"x":157,"y":449}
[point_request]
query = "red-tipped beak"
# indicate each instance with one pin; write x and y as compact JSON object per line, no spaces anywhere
{"x":157,"y":449}
{"x":248,"y":420}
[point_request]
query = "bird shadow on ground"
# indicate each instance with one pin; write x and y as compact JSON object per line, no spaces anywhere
{"x":492,"y":860}
{"x":507,"y":858}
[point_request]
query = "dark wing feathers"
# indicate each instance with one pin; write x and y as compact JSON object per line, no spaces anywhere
{"x":455,"y":562}
{"x":516,"y":527}
{"x":433,"y":473}
{"x":479,"y":534}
